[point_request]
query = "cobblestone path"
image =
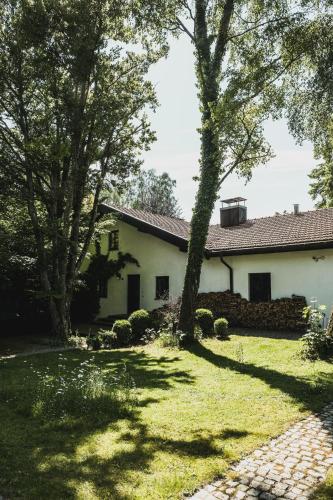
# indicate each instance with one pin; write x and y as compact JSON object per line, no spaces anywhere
{"x":288,"y":467}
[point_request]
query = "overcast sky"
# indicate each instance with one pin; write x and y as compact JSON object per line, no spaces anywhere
{"x":273,"y":188}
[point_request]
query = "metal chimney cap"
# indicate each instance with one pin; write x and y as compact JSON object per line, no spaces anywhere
{"x":296,"y":208}
{"x":237,"y":199}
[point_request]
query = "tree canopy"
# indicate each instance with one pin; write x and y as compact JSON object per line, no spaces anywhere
{"x":309,"y":98}
{"x":72,"y":116}
{"x":149,"y":191}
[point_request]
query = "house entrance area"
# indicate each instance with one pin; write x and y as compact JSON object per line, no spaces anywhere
{"x":133,"y":292}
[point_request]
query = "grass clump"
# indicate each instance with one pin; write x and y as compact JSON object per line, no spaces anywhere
{"x":169,"y":338}
{"x":82,"y":391}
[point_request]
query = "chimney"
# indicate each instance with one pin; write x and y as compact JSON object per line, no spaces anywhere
{"x":296,"y":208}
{"x":233,"y":212}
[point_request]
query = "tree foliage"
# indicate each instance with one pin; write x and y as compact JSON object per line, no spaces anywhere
{"x":151,"y":192}
{"x":72,"y":102}
{"x":309,"y":97}
{"x":240,"y":57}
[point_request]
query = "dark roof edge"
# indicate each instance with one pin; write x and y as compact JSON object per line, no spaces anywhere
{"x":274,"y":249}
{"x":146,"y":227}
{"x":182,"y":243}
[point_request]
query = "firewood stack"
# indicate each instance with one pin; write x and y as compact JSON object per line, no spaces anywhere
{"x":280,"y":314}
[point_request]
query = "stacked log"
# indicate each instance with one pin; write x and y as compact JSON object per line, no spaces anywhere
{"x":279,"y":314}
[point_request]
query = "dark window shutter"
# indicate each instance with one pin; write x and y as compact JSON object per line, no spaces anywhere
{"x":260,"y":287}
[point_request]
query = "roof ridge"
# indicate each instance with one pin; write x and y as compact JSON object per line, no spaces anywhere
{"x":279,"y":215}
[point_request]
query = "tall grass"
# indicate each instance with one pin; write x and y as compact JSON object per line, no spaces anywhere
{"x":82,"y":391}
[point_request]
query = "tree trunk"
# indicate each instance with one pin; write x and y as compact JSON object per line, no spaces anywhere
{"x":60,"y":318}
{"x":329,"y":330}
{"x":203,"y":209}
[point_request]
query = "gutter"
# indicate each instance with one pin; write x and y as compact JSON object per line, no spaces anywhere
{"x":231,"y":273}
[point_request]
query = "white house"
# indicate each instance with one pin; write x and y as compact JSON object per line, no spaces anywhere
{"x":262,"y":259}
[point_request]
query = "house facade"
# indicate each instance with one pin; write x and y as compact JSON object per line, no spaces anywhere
{"x":262,"y":259}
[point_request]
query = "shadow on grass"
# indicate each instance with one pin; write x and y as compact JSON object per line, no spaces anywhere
{"x":46,"y":460}
{"x":268,"y":334}
{"x":311,"y":395}
{"x":40,"y":461}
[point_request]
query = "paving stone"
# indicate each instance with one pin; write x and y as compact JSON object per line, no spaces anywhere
{"x":287,"y":468}
{"x":239,"y":495}
{"x":209,"y":488}
{"x":253,"y":492}
{"x":220,"y":495}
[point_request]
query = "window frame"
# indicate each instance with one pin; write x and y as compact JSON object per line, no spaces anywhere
{"x":269,"y":290}
{"x":114,"y":240}
{"x":159,"y":295}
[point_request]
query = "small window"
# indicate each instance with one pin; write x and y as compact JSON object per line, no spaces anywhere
{"x":162,"y":287}
{"x":260,"y":287}
{"x":103,"y":288}
{"x":114,"y":240}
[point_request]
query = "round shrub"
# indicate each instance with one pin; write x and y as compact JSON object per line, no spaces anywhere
{"x":123,"y":330}
{"x":205,"y":319}
{"x":140,"y":321}
{"x":221,"y":327}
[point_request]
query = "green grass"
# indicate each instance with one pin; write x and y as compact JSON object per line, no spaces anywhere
{"x":198,"y":411}
{"x":325,"y":490}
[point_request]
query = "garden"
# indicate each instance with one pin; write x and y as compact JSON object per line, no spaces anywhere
{"x":150,"y":420}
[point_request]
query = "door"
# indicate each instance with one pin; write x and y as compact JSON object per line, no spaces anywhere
{"x":133,"y":292}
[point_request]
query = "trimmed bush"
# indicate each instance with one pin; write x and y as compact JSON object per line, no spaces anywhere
{"x":221,"y":327}
{"x":140,"y":321}
{"x":205,"y":319}
{"x":123,"y":331}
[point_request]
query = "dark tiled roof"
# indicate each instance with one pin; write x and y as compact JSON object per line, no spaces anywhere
{"x":313,"y":229}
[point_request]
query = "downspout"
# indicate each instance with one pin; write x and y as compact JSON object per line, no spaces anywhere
{"x":231,"y":273}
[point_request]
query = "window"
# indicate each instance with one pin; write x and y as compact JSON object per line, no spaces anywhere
{"x":260,"y":287}
{"x":103,"y":288}
{"x":114,"y":240}
{"x":162,"y":287}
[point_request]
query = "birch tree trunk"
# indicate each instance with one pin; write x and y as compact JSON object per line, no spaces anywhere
{"x":208,"y":75}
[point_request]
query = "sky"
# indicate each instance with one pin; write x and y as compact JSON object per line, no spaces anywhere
{"x":274,"y":187}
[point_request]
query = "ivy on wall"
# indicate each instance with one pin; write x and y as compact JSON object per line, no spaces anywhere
{"x":86,"y":301}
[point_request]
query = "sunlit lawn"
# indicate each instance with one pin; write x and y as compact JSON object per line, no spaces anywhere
{"x":198,"y":411}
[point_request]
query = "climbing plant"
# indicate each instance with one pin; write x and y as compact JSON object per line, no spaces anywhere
{"x":86,"y":301}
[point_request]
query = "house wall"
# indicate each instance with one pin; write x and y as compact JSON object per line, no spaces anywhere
{"x":291,"y":272}
{"x":156,"y":258}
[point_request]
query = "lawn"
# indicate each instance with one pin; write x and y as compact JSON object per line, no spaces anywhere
{"x":198,"y":411}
